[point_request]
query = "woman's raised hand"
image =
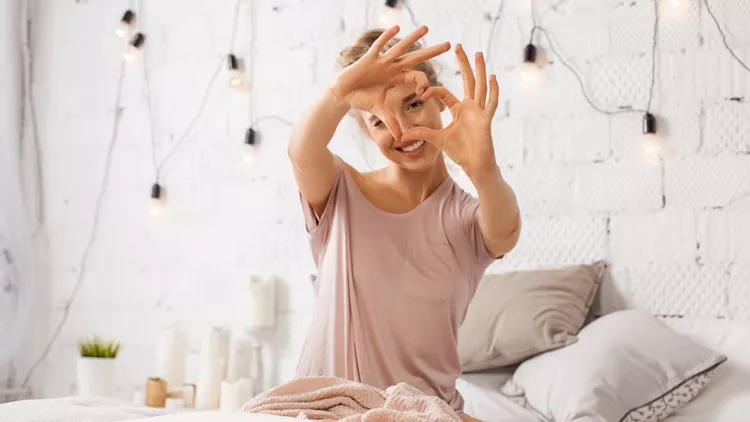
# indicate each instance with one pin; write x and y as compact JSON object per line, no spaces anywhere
{"x":363,"y":84}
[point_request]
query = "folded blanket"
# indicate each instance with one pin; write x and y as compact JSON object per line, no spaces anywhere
{"x":336,"y":399}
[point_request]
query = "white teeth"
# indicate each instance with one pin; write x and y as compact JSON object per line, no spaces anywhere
{"x":413,"y":147}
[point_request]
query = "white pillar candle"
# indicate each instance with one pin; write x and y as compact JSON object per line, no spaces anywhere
{"x":208,"y":388}
{"x":258,"y":302}
{"x":234,"y":395}
{"x":216,"y":344}
{"x":240,"y":358}
{"x":171,"y":355}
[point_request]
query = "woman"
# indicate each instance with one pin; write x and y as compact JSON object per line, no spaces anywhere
{"x":400,"y":250}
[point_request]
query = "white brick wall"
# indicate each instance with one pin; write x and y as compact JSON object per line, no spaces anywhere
{"x":676,"y":229}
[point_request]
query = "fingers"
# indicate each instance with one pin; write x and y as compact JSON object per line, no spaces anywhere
{"x":403,"y":45}
{"x":466,"y":73}
{"x":481,"y":90}
{"x":494,"y":94}
{"x":411,"y":77}
{"x":432,"y":136}
{"x":442,"y":94}
{"x":382,"y":41}
{"x":390,"y":121}
{"x":412,"y":59}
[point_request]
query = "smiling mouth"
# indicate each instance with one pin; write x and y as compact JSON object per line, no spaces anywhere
{"x":412,"y":147}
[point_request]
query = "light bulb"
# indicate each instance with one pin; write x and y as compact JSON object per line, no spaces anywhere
{"x":237,"y":79}
{"x":156,"y":207}
{"x":530,"y":71}
{"x":651,"y":145}
{"x":134,"y":47}
{"x":125,"y":22}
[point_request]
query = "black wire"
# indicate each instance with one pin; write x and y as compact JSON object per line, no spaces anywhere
{"x":495,"y":19}
{"x":724,"y":37}
{"x":580,"y":79}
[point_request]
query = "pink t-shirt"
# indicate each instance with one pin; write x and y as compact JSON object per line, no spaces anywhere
{"x":392,"y":289}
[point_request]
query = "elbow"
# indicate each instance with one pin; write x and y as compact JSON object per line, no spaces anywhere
{"x":504,"y":242}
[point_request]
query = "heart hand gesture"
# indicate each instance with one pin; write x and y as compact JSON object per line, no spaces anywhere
{"x":364,"y":83}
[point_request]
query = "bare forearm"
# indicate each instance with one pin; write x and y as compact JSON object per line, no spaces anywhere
{"x":311,"y":136}
{"x":313,"y":164}
{"x":500,"y":220}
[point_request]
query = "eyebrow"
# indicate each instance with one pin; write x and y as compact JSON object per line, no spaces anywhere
{"x":409,"y":97}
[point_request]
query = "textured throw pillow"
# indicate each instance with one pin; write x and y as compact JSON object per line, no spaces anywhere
{"x":516,"y":315}
{"x":626,"y":366}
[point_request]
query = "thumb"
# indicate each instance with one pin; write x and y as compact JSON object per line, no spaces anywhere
{"x":423,"y":133}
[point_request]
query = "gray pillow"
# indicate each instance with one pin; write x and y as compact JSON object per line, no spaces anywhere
{"x":626,"y":366}
{"x":517,"y":315}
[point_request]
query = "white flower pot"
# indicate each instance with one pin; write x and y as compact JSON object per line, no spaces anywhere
{"x":96,"y":377}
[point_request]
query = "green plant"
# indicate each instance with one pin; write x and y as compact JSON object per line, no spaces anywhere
{"x":98,"y":348}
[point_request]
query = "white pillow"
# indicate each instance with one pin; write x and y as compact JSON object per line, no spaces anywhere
{"x":626,"y":366}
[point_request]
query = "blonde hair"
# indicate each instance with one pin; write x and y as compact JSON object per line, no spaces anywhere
{"x":360,"y":47}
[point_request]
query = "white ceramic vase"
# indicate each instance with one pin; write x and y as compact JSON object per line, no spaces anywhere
{"x":96,"y":377}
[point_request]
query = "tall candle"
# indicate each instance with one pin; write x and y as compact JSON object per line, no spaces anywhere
{"x":216,"y":344}
{"x":171,"y":354}
{"x":208,"y":388}
{"x":258,"y":302}
{"x":240,"y":358}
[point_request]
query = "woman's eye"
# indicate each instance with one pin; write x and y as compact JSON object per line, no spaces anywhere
{"x":377,"y":123}
{"x":416,"y":104}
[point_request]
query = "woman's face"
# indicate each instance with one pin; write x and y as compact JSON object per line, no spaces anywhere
{"x":409,"y":111}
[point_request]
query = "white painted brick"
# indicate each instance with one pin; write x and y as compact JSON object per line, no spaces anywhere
{"x":508,"y":138}
{"x":632,"y":27}
{"x":727,"y":128}
{"x":739,"y":291}
{"x":733,"y":17}
{"x":679,"y":25}
{"x":724,"y":236}
{"x":542,"y":189}
{"x":576,"y":44}
{"x":617,"y":187}
{"x":672,"y":289}
{"x":566,"y":139}
{"x":551,"y":242}
{"x":620,"y":81}
{"x":699,"y":182}
{"x":702,"y":74}
{"x":666,"y":237}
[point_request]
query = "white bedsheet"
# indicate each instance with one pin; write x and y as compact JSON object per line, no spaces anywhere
{"x":482,"y":398}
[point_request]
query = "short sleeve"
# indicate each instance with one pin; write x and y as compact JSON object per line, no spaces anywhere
{"x":319,"y":227}
{"x":469,"y":215}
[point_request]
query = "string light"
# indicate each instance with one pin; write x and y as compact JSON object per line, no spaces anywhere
{"x":156,"y":202}
{"x":125,"y":23}
{"x":530,"y":72}
{"x":135,"y":46}
{"x":651,"y":142}
{"x":236,"y":79}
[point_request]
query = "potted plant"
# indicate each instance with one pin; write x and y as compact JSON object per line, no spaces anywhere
{"x":96,"y":367}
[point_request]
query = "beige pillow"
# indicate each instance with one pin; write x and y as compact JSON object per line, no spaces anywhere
{"x":517,"y":315}
{"x":627,"y":366}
